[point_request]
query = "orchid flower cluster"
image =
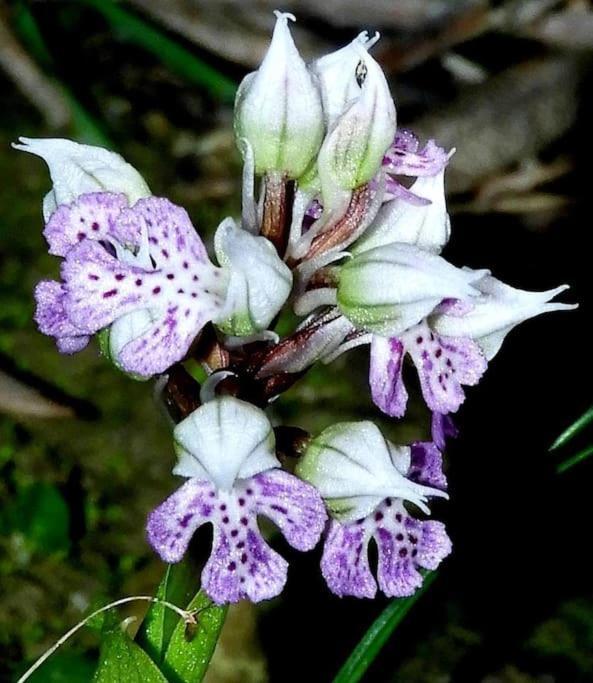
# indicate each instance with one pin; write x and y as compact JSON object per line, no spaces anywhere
{"x":343,"y":222}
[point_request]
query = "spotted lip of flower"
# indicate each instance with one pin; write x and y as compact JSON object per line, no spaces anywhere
{"x":365,"y":481}
{"x":77,"y":169}
{"x":452,"y":347}
{"x":146,"y":261}
{"x":226,"y":450}
{"x":278,"y":108}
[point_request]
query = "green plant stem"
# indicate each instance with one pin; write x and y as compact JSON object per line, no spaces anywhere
{"x":184,"y":614}
{"x":378,"y":634}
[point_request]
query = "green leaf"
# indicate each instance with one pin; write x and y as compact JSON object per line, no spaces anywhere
{"x":177,"y":586}
{"x":378,"y":634}
{"x":191,"y":648}
{"x":123,"y":661}
{"x":578,"y":457}
{"x":574,"y":429}
{"x":172,"y":54}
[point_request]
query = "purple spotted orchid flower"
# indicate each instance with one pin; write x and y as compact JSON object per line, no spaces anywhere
{"x":226,"y":450}
{"x":142,"y":270}
{"x":367,"y":484}
{"x":135,"y":268}
{"x":396,"y":293}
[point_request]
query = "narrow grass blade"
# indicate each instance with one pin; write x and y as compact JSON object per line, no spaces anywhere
{"x":180,"y":60}
{"x":378,"y":634}
{"x":573,"y":430}
{"x":578,"y":457}
{"x":85,"y":127}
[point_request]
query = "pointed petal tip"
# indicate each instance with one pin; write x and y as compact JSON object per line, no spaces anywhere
{"x":284,"y":16}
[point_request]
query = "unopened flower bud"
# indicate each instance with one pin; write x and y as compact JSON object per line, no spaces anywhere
{"x":278,"y":108}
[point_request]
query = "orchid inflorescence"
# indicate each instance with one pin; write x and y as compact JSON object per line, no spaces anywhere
{"x":340,"y":236}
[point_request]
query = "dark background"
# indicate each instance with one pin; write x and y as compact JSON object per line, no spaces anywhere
{"x":509,"y":85}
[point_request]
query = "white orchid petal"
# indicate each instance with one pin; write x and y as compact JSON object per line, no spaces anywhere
{"x":76,"y":169}
{"x":427,"y":226}
{"x":259,"y":283}
{"x":388,"y":289}
{"x":353,"y":149}
{"x":497,"y":312}
{"x":351,"y":466}
{"x":224,"y":440}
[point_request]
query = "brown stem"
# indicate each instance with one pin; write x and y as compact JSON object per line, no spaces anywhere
{"x":181,"y":394}
{"x":346,"y":225}
{"x":277,"y":213}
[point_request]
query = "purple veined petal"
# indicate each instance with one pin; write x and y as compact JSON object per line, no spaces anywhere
{"x":241,"y":565}
{"x":172,"y":524}
{"x":385,"y":375}
{"x":404,"y":545}
{"x":345,"y":564}
{"x":426,"y":465}
{"x":434,"y":544}
{"x":182,"y":293}
{"x":395,"y":190}
{"x":442,"y":428}
{"x":293,"y":505}
{"x":172,"y":239}
{"x":444,"y":364}
{"x":92,"y":216}
{"x":403,"y":157}
{"x":52,"y":320}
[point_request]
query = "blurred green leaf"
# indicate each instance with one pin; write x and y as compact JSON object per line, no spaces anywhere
{"x":124,"y":661}
{"x":65,"y":667}
{"x":574,"y":429}
{"x":160,"y":621}
{"x":378,"y":634}
{"x":86,"y":129}
{"x":573,"y":460}
{"x":191,"y":647}
{"x":40,"y":513}
{"x":172,"y":54}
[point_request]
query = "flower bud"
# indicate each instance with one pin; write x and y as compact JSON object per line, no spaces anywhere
{"x":340,"y":74}
{"x":77,"y":169}
{"x":388,"y":289}
{"x":259,"y":281}
{"x":355,"y":468}
{"x":278,"y":108}
{"x":353,"y":149}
